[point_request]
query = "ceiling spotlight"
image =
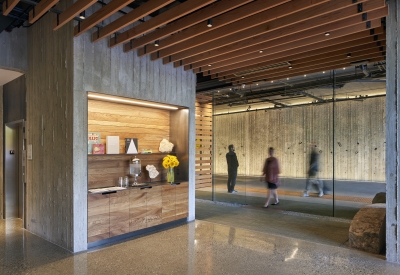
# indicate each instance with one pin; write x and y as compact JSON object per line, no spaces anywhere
{"x":242,"y":76}
{"x":257,"y":84}
{"x":287,"y":78}
{"x":348,"y":55}
{"x":157,"y":43}
{"x":305,"y":75}
{"x":261,"y":51}
{"x":344,"y":68}
{"x":209,"y":65}
{"x":82,"y":15}
{"x":209,"y":23}
{"x":218,"y":91}
{"x":272,"y":81}
{"x":290,"y":67}
{"x":323,"y":72}
{"x":327,"y":33}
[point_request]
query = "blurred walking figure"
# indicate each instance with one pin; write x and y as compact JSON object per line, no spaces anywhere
{"x":271,"y":171}
{"x":312,"y":174}
{"x":233,"y":164}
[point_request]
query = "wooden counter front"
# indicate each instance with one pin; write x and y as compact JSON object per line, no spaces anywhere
{"x":135,"y":208}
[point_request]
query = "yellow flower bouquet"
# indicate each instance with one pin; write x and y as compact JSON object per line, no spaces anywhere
{"x":169,"y":162}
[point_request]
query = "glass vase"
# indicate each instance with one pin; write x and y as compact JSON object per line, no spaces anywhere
{"x":170,"y":175}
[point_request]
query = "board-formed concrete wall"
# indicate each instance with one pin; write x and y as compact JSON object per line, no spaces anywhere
{"x":357,"y":140}
{"x":49,"y":129}
{"x":14,"y":49}
{"x":63,"y":69}
{"x":99,"y":68}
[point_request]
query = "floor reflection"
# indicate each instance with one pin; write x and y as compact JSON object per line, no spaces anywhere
{"x":199,"y":247}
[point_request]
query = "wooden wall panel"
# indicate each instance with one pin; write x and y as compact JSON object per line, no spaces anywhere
{"x":98,"y":217}
{"x":119,"y":213}
{"x":203,"y":144}
{"x":104,"y":170}
{"x":149,"y":126}
{"x":357,"y":139}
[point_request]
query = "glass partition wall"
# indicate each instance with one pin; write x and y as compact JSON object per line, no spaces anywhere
{"x":329,"y":140}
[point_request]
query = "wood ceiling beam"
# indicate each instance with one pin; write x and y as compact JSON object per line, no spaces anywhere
{"x":285,"y":44}
{"x":74,"y":10}
{"x":185,"y":23}
{"x":316,"y":69}
{"x":8,"y":6}
{"x":322,"y":65}
{"x":319,"y":55}
{"x":282,"y":46}
{"x":162,"y":19}
{"x":271,"y":31}
{"x":41,"y":8}
{"x":241,"y":14}
{"x":101,"y":14}
{"x":305,"y":51}
{"x":216,"y":56}
{"x":301,"y":63}
{"x":130,"y":18}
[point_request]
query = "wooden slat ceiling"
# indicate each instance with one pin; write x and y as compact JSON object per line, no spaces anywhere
{"x":247,"y":40}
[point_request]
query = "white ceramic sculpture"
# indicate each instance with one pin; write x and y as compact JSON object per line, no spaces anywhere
{"x":152,"y":171}
{"x":165,"y":146}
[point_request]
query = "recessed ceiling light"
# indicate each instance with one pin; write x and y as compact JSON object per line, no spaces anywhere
{"x":242,"y":76}
{"x":327,"y":33}
{"x":290,"y":67}
{"x":261,"y":51}
{"x":209,"y":65}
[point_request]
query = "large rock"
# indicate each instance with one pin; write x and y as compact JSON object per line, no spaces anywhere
{"x":379,"y":198}
{"x":368,"y":228}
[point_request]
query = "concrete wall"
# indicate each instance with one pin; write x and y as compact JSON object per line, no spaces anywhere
{"x":49,"y":129}
{"x":358,"y":138}
{"x":101,"y":69}
{"x":392,"y":133}
{"x":14,"y":49}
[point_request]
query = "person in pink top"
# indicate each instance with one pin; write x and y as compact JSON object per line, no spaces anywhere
{"x":270,"y":173}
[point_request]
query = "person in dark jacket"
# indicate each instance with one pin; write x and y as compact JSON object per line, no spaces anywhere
{"x":313,"y":174}
{"x":233,"y":165}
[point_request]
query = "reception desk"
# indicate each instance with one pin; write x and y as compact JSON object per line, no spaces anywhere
{"x":116,"y":213}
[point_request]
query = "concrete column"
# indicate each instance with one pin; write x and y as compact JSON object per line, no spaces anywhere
{"x":392,"y":130}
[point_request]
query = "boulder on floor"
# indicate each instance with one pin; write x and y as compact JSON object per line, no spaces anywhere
{"x":379,"y":198}
{"x":368,"y":228}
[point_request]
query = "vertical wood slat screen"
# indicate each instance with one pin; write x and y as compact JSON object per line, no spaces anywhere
{"x":203,"y":143}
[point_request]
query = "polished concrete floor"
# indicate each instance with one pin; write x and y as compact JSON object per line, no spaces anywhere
{"x":223,"y":240}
